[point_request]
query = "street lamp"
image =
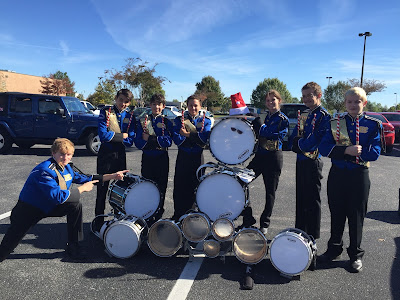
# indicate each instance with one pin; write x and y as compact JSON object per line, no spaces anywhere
{"x":329,"y":79}
{"x":365,"y":34}
{"x":396,"y":101}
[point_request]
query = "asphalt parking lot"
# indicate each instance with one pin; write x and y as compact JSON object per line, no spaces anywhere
{"x":38,"y":269}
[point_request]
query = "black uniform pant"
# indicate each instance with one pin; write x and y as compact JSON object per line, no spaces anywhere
{"x":308,"y":199}
{"x":24,"y":216}
{"x":108,"y":161}
{"x":185,"y":181}
{"x":269,"y":165}
{"x":156,"y":168}
{"x":348,"y":192}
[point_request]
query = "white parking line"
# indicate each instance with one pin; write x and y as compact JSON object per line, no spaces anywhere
{"x":184,"y":283}
{"x":5,"y":215}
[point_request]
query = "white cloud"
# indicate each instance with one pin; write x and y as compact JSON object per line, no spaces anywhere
{"x":64,"y":47}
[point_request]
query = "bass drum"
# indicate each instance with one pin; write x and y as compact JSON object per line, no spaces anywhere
{"x":135,"y":195}
{"x":221,"y":194}
{"x":232,"y":140}
{"x":292,"y":251}
{"x":123,"y":237}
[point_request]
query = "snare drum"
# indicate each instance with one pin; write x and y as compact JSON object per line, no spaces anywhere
{"x":165,"y":238}
{"x":135,"y":195}
{"x":232,"y":140}
{"x":123,"y":237}
{"x":221,"y":194}
{"x":292,"y":251}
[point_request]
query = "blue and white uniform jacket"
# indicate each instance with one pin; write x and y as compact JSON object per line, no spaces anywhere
{"x":198,"y":139}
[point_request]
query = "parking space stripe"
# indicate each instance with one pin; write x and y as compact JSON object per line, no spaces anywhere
{"x":184,"y":283}
{"x":5,"y":215}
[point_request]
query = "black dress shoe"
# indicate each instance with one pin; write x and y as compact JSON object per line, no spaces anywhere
{"x":356,"y":266}
{"x":328,"y":257}
{"x":75,"y":251}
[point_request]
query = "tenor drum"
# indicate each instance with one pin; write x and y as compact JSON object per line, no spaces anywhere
{"x":123,"y":237}
{"x":292,"y":251}
{"x":250,"y":246}
{"x":232,"y":140}
{"x":221,"y":194}
{"x":135,"y":195}
{"x":195,"y":227}
{"x":165,"y":238}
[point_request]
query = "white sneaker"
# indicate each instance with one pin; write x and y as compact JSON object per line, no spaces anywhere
{"x":264,"y":231}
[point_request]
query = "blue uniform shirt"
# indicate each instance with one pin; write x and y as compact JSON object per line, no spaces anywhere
{"x":196,"y":141}
{"x":370,"y":139}
{"x":159,"y":143}
{"x":311,"y":138}
{"x":275,"y":128}
{"x":42,"y":190}
{"x":108,"y":137}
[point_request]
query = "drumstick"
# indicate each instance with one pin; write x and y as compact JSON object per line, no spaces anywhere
{"x":202,"y":126}
{"x":313,"y":122}
{"x":298,"y":122}
{"x":129,"y":124}
{"x":338,"y":130}
{"x":357,"y":136}
{"x":145,"y":124}
{"x":108,"y":117}
{"x":183,"y":119}
{"x":162,"y":121}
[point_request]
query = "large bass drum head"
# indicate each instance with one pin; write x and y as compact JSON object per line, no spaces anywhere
{"x":220,"y":196}
{"x":232,"y":141}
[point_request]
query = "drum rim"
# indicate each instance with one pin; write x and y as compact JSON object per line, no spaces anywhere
{"x":128,"y":224}
{"x":227,"y":238}
{"x":180,"y":237}
{"x":302,"y":240}
{"x":216,"y":172}
{"x":219,"y":244}
{"x":201,"y":214}
{"x":260,"y":234}
{"x":255,"y":141}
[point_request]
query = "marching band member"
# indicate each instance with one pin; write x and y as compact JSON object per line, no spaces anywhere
{"x":305,"y":141}
{"x":47,"y":193}
{"x":268,"y":159}
{"x":351,"y":141}
{"x":153,"y":137}
{"x":116,"y":129}
{"x":191,"y":132}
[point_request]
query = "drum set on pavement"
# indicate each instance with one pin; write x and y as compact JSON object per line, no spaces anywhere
{"x":221,"y":196}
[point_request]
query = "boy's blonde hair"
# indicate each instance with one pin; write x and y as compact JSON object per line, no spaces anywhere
{"x":62,"y":145}
{"x":358,"y":92}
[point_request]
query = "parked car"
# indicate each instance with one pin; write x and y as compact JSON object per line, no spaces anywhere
{"x":171,"y":112}
{"x":140,"y":110}
{"x":89,"y":106}
{"x":291,"y":111}
{"x":394,"y":118}
{"x":388,"y":130}
{"x":28,"y":119}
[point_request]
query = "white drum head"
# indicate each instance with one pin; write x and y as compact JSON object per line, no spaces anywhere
{"x":232,"y":141}
{"x":121,"y":240}
{"x":290,"y":254}
{"x":142,"y":199}
{"x":220,"y":195}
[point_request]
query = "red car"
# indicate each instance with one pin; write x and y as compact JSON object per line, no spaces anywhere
{"x":388,"y":130}
{"x":394,"y":118}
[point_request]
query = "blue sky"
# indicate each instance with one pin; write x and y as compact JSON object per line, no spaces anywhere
{"x":238,"y":42}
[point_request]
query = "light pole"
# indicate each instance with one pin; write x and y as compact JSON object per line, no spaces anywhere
{"x":396,"y":101}
{"x":329,"y":79}
{"x":365,"y":34}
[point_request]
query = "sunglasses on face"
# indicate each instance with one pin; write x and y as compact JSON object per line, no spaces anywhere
{"x":238,"y":130}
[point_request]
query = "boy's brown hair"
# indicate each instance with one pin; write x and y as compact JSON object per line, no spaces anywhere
{"x":127,"y":93}
{"x":159,"y":98}
{"x":315,"y":86}
{"x":274,"y":93}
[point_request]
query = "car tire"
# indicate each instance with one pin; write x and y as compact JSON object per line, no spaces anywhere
{"x":6,"y":141}
{"x":389,"y":149}
{"x":24,"y":145}
{"x":93,"y":143}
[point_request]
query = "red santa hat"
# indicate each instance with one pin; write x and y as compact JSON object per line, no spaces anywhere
{"x":238,"y":105}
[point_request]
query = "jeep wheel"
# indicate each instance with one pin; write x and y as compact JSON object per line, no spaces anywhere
{"x":25,"y":145}
{"x":93,"y":143}
{"x":5,"y":141}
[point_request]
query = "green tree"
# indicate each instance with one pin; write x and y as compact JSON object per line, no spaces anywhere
{"x":334,"y":95}
{"x":58,"y":83}
{"x":139,"y":77}
{"x":105,"y":92}
{"x":369,"y":85}
{"x":210,"y":91}
{"x":259,"y":93}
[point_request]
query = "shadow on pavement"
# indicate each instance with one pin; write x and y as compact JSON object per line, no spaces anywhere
{"x":387,"y":216}
{"x":395,"y":273}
